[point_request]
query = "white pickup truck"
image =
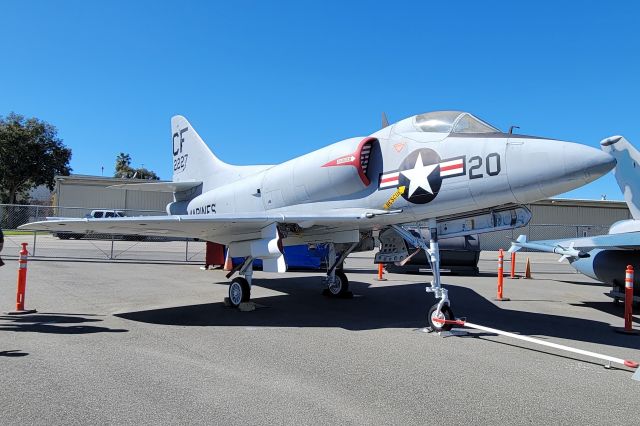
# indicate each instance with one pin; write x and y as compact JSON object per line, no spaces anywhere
{"x":95,"y":214}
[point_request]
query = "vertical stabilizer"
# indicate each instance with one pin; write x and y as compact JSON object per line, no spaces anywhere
{"x":627,"y":171}
{"x":193,"y":161}
{"x":192,"y":158}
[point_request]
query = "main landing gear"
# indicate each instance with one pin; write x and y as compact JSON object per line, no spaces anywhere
{"x":442,"y":309}
{"x":240,"y":287}
{"x":336,"y":280}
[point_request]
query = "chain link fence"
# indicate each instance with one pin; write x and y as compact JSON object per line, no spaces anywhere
{"x":91,"y":246}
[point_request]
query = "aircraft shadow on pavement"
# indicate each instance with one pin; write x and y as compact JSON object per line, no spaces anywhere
{"x":609,"y":308}
{"x":14,"y":353}
{"x":373,"y":307}
{"x":53,"y":323}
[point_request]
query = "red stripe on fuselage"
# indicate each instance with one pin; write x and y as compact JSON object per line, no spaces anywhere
{"x":453,"y":166}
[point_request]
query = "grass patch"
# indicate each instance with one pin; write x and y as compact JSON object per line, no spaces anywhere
{"x":19,"y":232}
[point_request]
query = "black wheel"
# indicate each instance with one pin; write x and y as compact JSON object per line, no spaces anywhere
{"x":64,"y":236}
{"x":446,"y":314}
{"x":239,"y":291}
{"x":340,"y":285}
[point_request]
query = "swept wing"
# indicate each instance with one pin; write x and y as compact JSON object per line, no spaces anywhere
{"x":216,"y":227}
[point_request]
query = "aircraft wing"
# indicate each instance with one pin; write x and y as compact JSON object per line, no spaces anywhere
{"x":625,"y":241}
{"x":212,"y":227}
{"x":578,"y":247}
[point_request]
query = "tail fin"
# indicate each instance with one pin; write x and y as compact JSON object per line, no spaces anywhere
{"x":193,"y":161}
{"x":627,"y":171}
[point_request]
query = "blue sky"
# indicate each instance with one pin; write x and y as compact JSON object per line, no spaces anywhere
{"x":263,"y":82}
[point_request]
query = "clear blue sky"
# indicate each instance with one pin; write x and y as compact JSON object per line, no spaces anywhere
{"x":263,"y":82}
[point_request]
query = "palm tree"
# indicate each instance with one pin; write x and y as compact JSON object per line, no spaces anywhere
{"x":123,"y":165}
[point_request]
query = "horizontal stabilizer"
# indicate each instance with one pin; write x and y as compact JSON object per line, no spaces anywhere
{"x":157,"y":186}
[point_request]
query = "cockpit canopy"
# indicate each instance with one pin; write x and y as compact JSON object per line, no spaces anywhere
{"x":452,"y":122}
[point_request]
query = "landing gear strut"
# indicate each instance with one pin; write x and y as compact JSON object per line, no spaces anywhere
{"x":336,"y":281}
{"x":442,"y":309}
{"x":240,"y":287}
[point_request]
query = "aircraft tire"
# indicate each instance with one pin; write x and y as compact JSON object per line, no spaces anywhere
{"x":341,"y":286}
{"x":239,"y":291}
{"x":447,"y":313}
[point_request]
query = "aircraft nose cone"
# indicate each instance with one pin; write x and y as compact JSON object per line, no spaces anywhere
{"x":545,"y":168}
{"x":585,"y":164}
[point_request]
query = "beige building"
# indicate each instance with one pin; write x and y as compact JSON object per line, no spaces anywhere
{"x":77,"y":195}
{"x":561,"y":218}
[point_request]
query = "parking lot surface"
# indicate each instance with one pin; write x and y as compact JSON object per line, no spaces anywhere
{"x":128,"y":343}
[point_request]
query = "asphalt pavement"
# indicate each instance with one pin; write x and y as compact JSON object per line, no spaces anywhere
{"x":127,"y":343}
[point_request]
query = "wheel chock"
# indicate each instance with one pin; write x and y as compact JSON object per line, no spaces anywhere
{"x":247,"y":307}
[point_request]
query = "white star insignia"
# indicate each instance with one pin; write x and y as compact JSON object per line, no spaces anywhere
{"x":419,"y":176}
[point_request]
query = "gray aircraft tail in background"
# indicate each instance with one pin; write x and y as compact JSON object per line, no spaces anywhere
{"x":605,"y":257}
{"x":627,"y":170}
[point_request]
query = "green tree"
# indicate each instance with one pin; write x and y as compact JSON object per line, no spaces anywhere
{"x":124,"y":170}
{"x":143,"y":173}
{"x":31,"y":154}
{"x":123,"y":166}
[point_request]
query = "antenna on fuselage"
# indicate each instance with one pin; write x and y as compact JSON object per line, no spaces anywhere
{"x":385,"y":121}
{"x":511,"y":129}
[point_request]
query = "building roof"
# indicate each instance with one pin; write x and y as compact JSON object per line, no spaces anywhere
{"x":73,"y":178}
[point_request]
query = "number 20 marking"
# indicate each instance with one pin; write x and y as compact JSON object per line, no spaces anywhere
{"x":492,"y":165}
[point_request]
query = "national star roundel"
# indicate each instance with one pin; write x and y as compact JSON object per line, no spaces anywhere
{"x":421,"y":173}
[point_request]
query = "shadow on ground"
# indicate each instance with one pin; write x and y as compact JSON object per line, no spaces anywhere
{"x":609,"y":308}
{"x":53,"y":323}
{"x":376,"y":307}
{"x":15,"y":353}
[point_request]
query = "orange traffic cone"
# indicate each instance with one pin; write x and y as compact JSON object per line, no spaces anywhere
{"x":228,"y":263}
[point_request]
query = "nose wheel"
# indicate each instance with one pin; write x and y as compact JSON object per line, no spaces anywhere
{"x":441,"y":310}
{"x":442,"y":314}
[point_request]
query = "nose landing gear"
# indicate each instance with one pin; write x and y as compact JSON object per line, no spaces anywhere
{"x":442,"y":309}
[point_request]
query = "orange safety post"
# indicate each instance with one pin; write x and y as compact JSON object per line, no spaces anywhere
{"x":22,"y":283}
{"x":380,"y":272}
{"x":513,"y":265}
{"x":500,"y":276}
{"x":628,"y":299}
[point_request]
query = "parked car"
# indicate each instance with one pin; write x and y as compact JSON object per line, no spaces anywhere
{"x":95,"y":214}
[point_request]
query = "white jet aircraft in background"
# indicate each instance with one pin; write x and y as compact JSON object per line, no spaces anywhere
{"x":446,"y":169}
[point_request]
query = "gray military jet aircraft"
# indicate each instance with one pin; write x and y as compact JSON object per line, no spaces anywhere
{"x":605,"y":257}
{"x":449,"y":170}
